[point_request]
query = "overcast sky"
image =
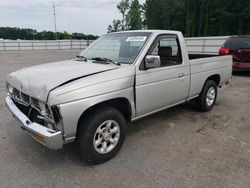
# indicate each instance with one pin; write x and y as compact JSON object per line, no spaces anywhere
{"x":86,"y":16}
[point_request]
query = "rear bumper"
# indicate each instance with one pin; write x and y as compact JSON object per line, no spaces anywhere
{"x":241,"y":66}
{"x":47,"y":137}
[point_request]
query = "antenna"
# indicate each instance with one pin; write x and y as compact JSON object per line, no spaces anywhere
{"x":54,"y":12}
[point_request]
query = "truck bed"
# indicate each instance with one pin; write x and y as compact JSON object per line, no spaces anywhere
{"x":206,"y":65}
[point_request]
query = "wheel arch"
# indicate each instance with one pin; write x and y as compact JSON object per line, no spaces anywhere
{"x":216,"y":78}
{"x":121,"y":104}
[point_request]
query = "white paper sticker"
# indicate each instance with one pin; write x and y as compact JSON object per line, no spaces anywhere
{"x":136,"y":39}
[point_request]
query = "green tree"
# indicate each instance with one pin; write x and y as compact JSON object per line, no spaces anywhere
{"x":116,"y":26}
{"x":123,"y":7}
{"x":164,"y":14}
{"x":31,"y":34}
{"x":64,"y":35}
{"x":199,"y":17}
{"x":131,"y":11}
{"x":134,"y":19}
{"x":48,"y":35}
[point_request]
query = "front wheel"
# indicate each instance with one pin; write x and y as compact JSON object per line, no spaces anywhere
{"x":101,"y":135}
{"x":208,"y":96}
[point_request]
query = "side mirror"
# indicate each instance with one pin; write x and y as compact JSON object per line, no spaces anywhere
{"x":152,"y":61}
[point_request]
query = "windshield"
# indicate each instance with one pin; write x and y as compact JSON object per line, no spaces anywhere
{"x":237,"y":43}
{"x":119,"y":47}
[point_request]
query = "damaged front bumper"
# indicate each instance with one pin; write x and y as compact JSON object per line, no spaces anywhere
{"x":48,"y":137}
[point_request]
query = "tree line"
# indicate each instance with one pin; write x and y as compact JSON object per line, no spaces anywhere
{"x":193,"y":17}
{"x":15,"y":33}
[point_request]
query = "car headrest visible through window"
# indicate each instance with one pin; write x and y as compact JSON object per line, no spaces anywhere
{"x":165,"y":51}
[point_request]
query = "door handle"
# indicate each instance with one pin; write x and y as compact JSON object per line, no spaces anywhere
{"x":181,"y":75}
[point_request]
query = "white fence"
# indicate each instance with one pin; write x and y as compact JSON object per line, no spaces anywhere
{"x":22,"y":45}
{"x":207,"y":45}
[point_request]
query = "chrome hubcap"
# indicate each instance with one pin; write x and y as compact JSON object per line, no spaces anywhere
{"x":210,"y":96}
{"x":106,"y":137}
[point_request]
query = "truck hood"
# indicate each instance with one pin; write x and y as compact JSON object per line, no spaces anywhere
{"x":38,"y":81}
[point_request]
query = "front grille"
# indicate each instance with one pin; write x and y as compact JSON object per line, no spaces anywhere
{"x":16,"y":94}
{"x":25,"y":98}
{"x":35,"y":102}
{"x":29,"y":106}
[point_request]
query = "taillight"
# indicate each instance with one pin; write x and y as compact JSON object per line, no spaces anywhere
{"x":224,"y":51}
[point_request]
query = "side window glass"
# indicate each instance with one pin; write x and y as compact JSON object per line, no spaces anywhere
{"x":168,"y":49}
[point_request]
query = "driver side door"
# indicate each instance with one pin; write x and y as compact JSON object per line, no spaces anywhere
{"x":164,"y":86}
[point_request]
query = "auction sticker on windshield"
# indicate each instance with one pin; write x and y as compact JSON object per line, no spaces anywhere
{"x":136,"y":39}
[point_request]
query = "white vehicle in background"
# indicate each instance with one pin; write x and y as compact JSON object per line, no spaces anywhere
{"x":121,"y":77}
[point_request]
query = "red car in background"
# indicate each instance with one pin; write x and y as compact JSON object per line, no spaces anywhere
{"x":239,"y":48}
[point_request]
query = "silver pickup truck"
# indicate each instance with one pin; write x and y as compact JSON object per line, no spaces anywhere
{"x":121,"y":77}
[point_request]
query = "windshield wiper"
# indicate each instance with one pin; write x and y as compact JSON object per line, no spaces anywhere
{"x":82,"y":58}
{"x":104,"y":59}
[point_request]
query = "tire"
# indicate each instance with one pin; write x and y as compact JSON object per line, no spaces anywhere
{"x":102,"y":126}
{"x":208,"y":96}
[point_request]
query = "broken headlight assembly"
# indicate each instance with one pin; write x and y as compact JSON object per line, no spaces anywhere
{"x":9,"y":89}
{"x":44,"y":109}
{"x":56,"y":117}
{"x":37,"y":110}
{"x":50,"y":116}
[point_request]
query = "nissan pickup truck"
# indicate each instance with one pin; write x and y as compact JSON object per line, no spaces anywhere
{"x":121,"y":77}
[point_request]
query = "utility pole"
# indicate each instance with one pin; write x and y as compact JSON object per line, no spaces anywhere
{"x":54,"y":12}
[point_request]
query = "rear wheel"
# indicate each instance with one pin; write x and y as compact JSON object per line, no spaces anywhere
{"x":208,"y":96}
{"x":101,"y":135}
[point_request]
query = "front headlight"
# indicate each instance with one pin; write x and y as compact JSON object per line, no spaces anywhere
{"x":57,"y":117}
{"x":9,"y":89}
{"x":44,"y":108}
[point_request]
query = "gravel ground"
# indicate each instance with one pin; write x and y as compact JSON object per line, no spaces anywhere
{"x":179,"y":147}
